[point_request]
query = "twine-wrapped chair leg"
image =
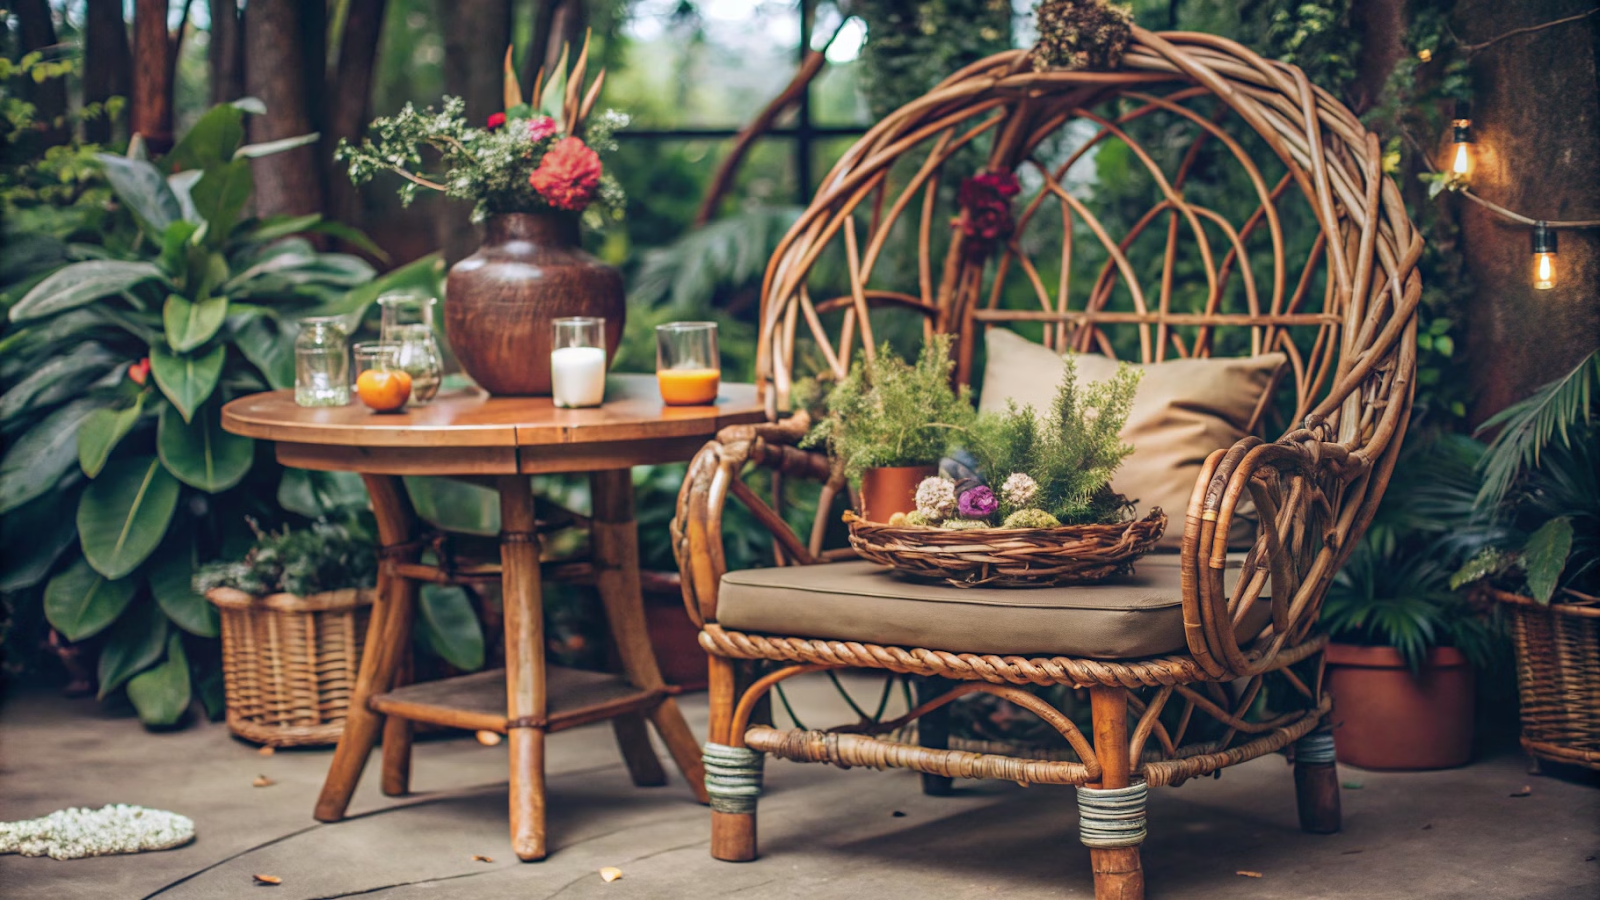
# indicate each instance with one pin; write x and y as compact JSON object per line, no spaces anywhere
{"x":1111,"y":817}
{"x":1316,"y":782}
{"x":733,"y":771}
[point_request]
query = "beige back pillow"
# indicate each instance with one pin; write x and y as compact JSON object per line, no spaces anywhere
{"x":1184,"y":410}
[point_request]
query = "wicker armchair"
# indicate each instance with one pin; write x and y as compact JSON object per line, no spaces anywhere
{"x":1343,"y":314}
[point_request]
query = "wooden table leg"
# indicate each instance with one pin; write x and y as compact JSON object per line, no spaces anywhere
{"x":614,"y":539}
{"x":525,"y":671}
{"x":397,"y":734}
{"x":633,"y":739}
{"x":388,"y":634}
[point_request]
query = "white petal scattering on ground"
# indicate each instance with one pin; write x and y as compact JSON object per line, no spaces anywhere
{"x":78,"y":832}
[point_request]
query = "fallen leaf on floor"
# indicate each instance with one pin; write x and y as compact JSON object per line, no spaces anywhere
{"x":610,"y":874}
{"x":1428,"y":827}
{"x":1350,"y":853}
{"x":263,"y":781}
{"x":1526,"y":791}
{"x":488,"y":738}
{"x":1248,"y":874}
{"x":898,"y":814}
{"x":478,"y":857}
{"x":267,"y":750}
{"x":1589,"y":858}
{"x":267,"y":879}
{"x":1352,"y":785}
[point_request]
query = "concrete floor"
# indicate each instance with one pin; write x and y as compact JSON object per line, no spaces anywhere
{"x":824,"y":833}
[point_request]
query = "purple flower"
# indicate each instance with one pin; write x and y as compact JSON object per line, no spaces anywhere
{"x":977,"y":503}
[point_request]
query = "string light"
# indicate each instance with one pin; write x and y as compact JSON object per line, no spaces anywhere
{"x":1461,"y":153}
{"x":1544,"y":257}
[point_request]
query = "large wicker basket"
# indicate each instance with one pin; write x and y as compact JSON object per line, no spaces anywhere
{"x":1558,"y":678}
{"x":289,"y":662}
{"x":1009,"y":557}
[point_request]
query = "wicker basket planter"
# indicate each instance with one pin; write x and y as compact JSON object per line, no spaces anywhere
{"x":289,"y":662}
{"x":1009,"y":557}
{"x":1558,"y":678}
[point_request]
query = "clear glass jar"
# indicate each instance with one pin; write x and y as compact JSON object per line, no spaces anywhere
{"x":408,"y":322}
{"x":321,"y":363}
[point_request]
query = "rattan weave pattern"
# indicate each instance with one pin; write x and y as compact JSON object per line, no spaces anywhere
{"x":1558,"y":678}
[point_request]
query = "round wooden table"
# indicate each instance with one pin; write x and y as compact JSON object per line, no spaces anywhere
{"x":500,"y":441}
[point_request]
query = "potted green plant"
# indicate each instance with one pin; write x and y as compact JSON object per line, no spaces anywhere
{"x":889,"y":423}
{"x":1541,"y":502}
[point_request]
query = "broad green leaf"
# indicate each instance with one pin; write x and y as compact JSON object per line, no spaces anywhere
{"x":187,"y":379}
{"x":171,"y":574}
{"x":59,"y":378}
{"x":190,"y":324}
{"x":1546,"y":555}
{"x":81,"y":602}
{"x":124,"y":513}
{"x":35,"y":535}
{"x":200,"y":453}
{"x":72,"y":286}
{"x":455,"y":505}
{"x":182,"y":186}
{"x":554,"y":95}
{"x":448,"y":625}
{"x":253,"y":151}
{"x":274,"y":227}
{"x":423,"y":276}
{"x":317,"y":495}
{"x":102,"y":431}
{"x":219,"y":197}
{"x":142,"y":188}
{"x":210,"y":140}
{"x":136,"y":642}
{"x":267,"y":348}
{"x":175,"y":244}
{"x":161,"y":695}
{"x":28,"y":252}
{"x":35,"y":461}
{"x":355,"y":237}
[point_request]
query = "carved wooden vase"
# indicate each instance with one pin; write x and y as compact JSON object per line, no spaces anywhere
{"x":500,"y":300}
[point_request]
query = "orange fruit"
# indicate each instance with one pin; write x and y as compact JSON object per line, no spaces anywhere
{"x":385,"y":390}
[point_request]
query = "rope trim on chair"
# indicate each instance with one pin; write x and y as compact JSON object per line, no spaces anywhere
{"x":733,"y":777}
{"x":1112,"y":817}
{"x":1315,"y":749}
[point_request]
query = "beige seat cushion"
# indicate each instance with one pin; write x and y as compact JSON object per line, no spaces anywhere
{"x":1184,"y":410}
{"x":1135,"y":616}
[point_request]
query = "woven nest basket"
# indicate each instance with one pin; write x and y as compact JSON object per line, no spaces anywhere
{"x":1009,"y":557}
{"x":1558,"y":678}
{"x":289,"y":663}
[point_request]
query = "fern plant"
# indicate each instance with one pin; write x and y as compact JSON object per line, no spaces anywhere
{"x":1529,"y":425}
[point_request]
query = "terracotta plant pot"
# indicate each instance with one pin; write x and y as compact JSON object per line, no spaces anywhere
{"x":501,"y":299}
{"x":891,"y":489}
{"x":1386,"y":717}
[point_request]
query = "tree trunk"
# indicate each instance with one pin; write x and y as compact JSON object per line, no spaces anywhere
{"x":226,"y":52}
{"x":150,"y":107}
{"x":276,"y":67}
{"x":477,"y":33}
{"x":49,"y":97}
{"x":1537,"y":151}
{"x":106,"y":71}
{"x":556,"y":22}
{"x":351,"y":98}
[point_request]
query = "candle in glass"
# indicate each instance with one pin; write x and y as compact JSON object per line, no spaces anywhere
{"x":578,"y":361}
{"x":688,"y":368}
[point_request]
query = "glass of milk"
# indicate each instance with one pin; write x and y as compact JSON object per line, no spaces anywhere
{"x":578,"y":362}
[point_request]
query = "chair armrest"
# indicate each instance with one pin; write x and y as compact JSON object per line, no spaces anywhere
{"x":714,"y":473}
{"x":1313,"y":498}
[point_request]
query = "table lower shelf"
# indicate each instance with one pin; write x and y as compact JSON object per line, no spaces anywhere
{"x":478,"y":701}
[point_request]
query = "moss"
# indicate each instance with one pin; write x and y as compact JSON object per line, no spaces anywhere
{"x":966,"y":524}
{"x":1031,"y":518}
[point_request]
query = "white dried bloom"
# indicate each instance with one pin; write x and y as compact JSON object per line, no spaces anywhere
{"x":936,"y":498}
{"x":1019,"y":490}
{"x":78,"y":832}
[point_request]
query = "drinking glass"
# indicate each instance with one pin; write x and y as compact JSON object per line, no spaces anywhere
{"x":578,"y":361}
{"x":321,"y":363}
{"x":688,"y":368}
{"x":408,"y":322}
{"x":382,"y":394}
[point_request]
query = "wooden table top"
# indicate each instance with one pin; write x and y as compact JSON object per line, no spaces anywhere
{"x":468,"y":432}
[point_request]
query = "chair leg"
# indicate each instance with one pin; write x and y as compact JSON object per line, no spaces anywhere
{"x":733,"y":772}
{"x":1111,"y":817}
{"x":933,"y":731}
{"x":1316,"y":782}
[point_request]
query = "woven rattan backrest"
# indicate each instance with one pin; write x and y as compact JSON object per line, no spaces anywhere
{"x":1338,"y":299}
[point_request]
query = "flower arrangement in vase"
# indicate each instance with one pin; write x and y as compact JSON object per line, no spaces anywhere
{"x":532,"y":172}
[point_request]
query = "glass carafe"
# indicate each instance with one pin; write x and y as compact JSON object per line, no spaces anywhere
{"x":408,"y":323}
{"x":321,"y":363}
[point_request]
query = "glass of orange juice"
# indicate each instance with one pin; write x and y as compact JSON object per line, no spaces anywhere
{"x":687,"y":365}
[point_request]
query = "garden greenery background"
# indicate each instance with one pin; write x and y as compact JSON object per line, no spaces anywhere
{"x":115,"y":486}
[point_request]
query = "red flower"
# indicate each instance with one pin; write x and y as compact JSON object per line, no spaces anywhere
{"x":568,"y":176}
{"x":541,"y":128}
{"x":985,"y":201}
{"x":139,"y":371}
{"x":496,"y":120}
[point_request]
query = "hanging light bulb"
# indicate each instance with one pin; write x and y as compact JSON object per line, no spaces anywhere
{"x":1544,"y":257}
{"x":1461,"y":152}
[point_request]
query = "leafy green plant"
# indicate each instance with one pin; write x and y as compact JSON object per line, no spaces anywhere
{"x":887,"y":412}
{"x":1531,"y":424}
{"x":326,"y":556}
{"x":114,"y":368}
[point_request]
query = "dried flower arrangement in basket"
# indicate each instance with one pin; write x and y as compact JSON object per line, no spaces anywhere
{"x":1021,"y":499}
